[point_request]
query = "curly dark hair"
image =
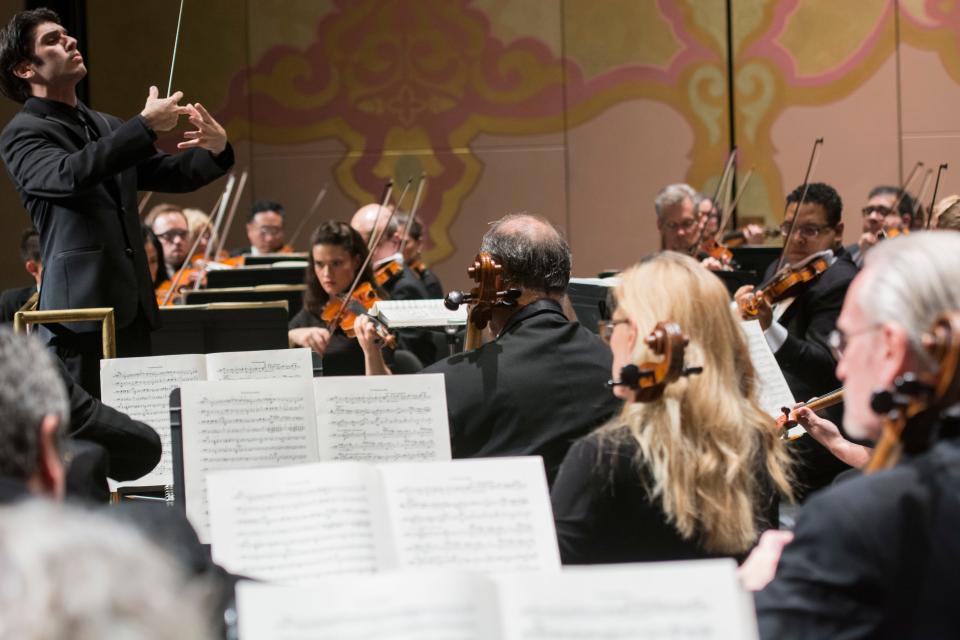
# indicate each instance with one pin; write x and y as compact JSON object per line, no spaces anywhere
{"x":824,"y":195}
{"x":16,"y":46}
{"x":338,"y":234}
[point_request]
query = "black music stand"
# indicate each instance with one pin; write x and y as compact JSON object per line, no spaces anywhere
{"x":589,"y":300}
{"x":273,"y":258}
{"x":756,"y":258}
{"x":292,"y":295}
{"x":255,"y":276}
{"x":215,"y":328}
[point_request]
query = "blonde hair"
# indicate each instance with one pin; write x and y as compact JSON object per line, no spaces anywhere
{"x":703,"y":439}
{"x":946,"y":215}
{"x":199,"y":222}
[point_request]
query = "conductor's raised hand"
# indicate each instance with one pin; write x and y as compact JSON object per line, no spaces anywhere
{"x":208,"y":135}
{"x":162,"y":114}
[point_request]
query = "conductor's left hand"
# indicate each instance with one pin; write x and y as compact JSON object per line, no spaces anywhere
{"x":209,"y":134}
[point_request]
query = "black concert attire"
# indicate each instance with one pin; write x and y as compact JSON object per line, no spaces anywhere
{"x":604,"y":513}
{"x":11,"y":300}
{"x":407,"y":285}
{"x":874,"y":557}
{"x":809,"y":366}
{"x":430,"y":282}
{"x":77,"y":172}
{"x":533,"y":390}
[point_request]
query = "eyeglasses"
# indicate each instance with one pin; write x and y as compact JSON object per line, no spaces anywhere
{"x":605,"y":328}
{"x":806,"y":231}
{"x":269,"y":231}
{"x":877,"y":208}
{"x":173,"y":235}
{"x":838,"y":340}
{"x":686,"y":225}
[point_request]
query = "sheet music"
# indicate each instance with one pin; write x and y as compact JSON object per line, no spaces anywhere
{"x":140,"y":388}
{"x":398,"y":606}
{"x":382,"y":418}
{"x":692,"y":599}
{"x":242,"y":424}
{"x":488,"y":514}
{"x":267,"y":363}
{"x":293,"y":525}
{"x":418,"y":313}
{"x":773,"y":392}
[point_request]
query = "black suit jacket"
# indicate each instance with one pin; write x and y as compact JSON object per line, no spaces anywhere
{"x":874,"y":557}
{"x":12,"y":299}
{"x":533,"y":391}
{"x":82,"y":198}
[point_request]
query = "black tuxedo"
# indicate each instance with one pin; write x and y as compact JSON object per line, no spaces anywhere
{"x":809,"y":366}
{"x":77,"y":172}
{"x":533,"y":391}
{"x":874,"y":557}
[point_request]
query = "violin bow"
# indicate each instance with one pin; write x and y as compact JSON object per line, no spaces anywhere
{"x":229,"y":222}
{"x":413,"y":212}
{"x":313,"y":209}
{"x":814,"y":157}
{"x":384,"y":200}
{"x":943,"y":167}
{"x":905,"y":186}
{"x":728,"y":214}
{"x":179,"y":275}
{"x":221,"y":208}
{"x":920,"y":194}
{"x":727,"y":167}
{"x":143,"y":203}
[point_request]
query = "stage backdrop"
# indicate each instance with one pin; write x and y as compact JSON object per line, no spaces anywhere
{"x":577,"y":110}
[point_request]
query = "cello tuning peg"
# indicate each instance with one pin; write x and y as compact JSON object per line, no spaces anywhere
{"x":454,"y":299}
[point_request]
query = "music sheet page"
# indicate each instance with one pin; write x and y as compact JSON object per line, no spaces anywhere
{"x":488,"y":514}
{"x":293,"y":525}
{"x":395,"y":606}
{"x":140,"y":388}
{"x":382,"y":418}
{"x":242,"y":424}
{"x":773,"y":392}
{"x":268,"y":363}
{"x":699,"y":599}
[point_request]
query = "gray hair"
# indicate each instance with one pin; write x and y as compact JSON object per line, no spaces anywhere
{"x":533,"y":254}
{"x":913,"y":280}
{"x":69,"y":573}
{"x":30,"y":389}
{"x":673,"y":194}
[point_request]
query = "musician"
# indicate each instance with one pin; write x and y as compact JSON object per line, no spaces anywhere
{"x":199,"y":224}
{"x":153,"y":249}
{"x":412,"y":249}
{"x":798,"y":329}
{"x":78,"y":171}
{"x":946,"y":215}
{"x":404,"y":284}
{"x":752,"y":234}
{"x":879,"y":215}
{"x":12,"y":300}
{"x":875,"y":556}
{"x":693,"y":474}
{"x":336,"y":254}
{"x":540,"y":384}
{"x":169,"y":223}
{"x":265,"y":230}
{"x":681,"y":224}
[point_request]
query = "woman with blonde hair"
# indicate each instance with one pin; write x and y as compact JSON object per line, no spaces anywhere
{"x":695,"y":473}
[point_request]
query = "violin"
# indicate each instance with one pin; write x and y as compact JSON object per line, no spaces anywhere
{"x":342,"y":311}
{"x":913,"y":404}
{"x":789,"y":418}
{"x":737,"y":238}
{"x":483,"y":299}
{"x":786,"y":282}
{"x":713,"y":249}
{"x":387,"y":272}
{"x":650,"y":379}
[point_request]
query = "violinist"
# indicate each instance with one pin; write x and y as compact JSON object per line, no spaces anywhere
{"x":336,"y":253}
{"x":879,"y":216}
{"x":539,"y":385}
{"x":946,"y":214}
{"x":876,"y":556}
{"x":393,"y":275}
{"x":169,"y":223}
{"x":693,"y":473}
{"x":751,"y":235}
{"x":681,"y":225}
{"x":265,"y":230}
{"x":798,"y":327}
{"x":412,"y":249}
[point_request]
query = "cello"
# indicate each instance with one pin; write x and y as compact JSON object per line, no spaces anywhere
{"x":488,"y":295}
{"x":650,"y":379}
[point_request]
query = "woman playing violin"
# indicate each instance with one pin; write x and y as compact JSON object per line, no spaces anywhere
{"x":337,"y":252}
{"x":693,"y":473}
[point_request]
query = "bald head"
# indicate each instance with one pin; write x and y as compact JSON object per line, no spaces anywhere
{"x":533,"y":254}
{"x":363,"y":222}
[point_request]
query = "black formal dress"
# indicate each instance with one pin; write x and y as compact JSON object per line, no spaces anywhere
{"x":874,"y":557}
{"x":77,"y":172}
{"x":809,"y":366}
{"x":343,"y":356}
{"x":533,"y":391}
{"x":604,"y":513}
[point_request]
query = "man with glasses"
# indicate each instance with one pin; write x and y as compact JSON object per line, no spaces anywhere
{"x":798,"y":328}
{"x":265,"y":230}
{"x":169,"y":223}
{"x":876,"y":556}
{"x":879,"y":215}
